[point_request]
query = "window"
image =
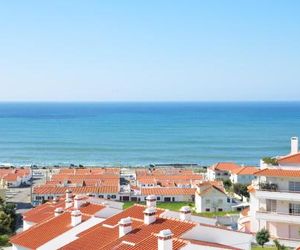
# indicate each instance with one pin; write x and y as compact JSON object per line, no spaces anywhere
{"x":294,"y":208}
{"x":113,"y":196}
{"x":220,"y":209}
{"x":228,"y":200}
{"x":158,"y":198}
{"x":108,"y":196}
{"x":207,"y":209}
{"x":294,"y":186}
{"x":271,"y":205}
{"x":101,"y":196}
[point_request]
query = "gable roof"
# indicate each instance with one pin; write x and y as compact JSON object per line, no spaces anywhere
{"x":168,"y":191}
{"x":225,"y":166}
{"x":278,"y":172}
{"x":40,"y":234}
{"x":49,"y":226}
{"x":106,"y":235}
{"x":290,"y":159}
{"x":42,"y":212}
{"x":247,"y":170}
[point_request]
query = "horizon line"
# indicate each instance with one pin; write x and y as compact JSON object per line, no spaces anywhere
{"x":149,"y":101}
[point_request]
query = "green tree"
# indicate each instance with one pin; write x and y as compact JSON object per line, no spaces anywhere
{"x":227,"y":184}
{"x":262,"y":237}
{"x":279,"y":246}
{"x":5,"y":223}
{"x":270,"y":160}
{"x":4,"y":240}
{"x":240,"y":189}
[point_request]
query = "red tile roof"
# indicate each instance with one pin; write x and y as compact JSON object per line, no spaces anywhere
{"x":75,"y":190}
{"x":40,"y":234}
{"x":278,"y":172}
{"x":141,"y":237}
{"x":225,"y":166}
{"x":290,"y":159}
{"x":247,"y":170}
{"x":167,"y":191}
{"x":42,"y":212}
{"x":90,"y":209}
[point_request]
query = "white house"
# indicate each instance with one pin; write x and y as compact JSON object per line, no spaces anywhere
{"x":212,"y":198}
{"x":243,"y":175}
{"x":221,"y":170}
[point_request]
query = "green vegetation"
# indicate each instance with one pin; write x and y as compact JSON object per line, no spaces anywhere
{"x":215,"y":214}
{"x":8,"y":219}
{"x":174,"y":206}
{"x":265,"y":248}
{"x":241,"y":189}
{"x":227,"y":184}
{"x":262,"y":237}
{"x":270,"y":160}
{"x":279,"y":246}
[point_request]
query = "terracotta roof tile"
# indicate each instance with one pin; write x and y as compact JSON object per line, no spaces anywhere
{"x":225,"y":166}
{"x":167,"y":191}
{"x":42,"y":212}
{"x":247,"y":170}
{"x":75,"y":190}
{"x":278,"y":172}
{"x":40,"y":234}
{"x":290,"y":159}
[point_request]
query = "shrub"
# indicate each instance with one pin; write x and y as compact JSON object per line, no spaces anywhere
{"x":262,"y":237}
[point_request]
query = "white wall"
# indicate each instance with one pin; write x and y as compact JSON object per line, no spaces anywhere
{"x":17,"y":247}
{"x":27,"y":224}
{"x":220,"y":236}
{"x":212,"y":200}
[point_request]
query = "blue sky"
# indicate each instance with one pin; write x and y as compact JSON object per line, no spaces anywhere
{"x":149,"y":50}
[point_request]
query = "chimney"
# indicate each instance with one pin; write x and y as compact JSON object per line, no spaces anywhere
{"x":151,"y":201}
{"x":78,"y":201}
{"x":294,"y":145}
{"x":165,"y":240}
{"x":185,"y":213}
{"x":125,"y":226}
{"x":75,"y":218}
{"x":58,"y":211}
{"x":55,"y":200}
{"x":68,"y":203}
{"x":149,"y":215}
{"x":68,"y":193}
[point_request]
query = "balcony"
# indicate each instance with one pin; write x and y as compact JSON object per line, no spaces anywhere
{"x":271,"y":191}
{"x":278,"y":217}
{"x":284,"y":195}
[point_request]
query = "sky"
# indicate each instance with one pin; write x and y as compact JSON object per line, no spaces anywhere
{"x":154,"y":50}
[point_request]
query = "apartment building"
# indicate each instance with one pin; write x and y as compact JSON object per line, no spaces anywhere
{"x":275,"y":199}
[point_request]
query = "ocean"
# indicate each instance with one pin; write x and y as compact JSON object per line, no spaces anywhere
{"x":133,"y":134}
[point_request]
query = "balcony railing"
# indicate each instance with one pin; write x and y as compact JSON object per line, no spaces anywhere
{"x":277,"y":212}
{"x":278,"y":217}
{"x":268,"y":186}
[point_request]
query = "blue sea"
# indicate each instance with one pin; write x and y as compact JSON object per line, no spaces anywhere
{"x":142,"y":133}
